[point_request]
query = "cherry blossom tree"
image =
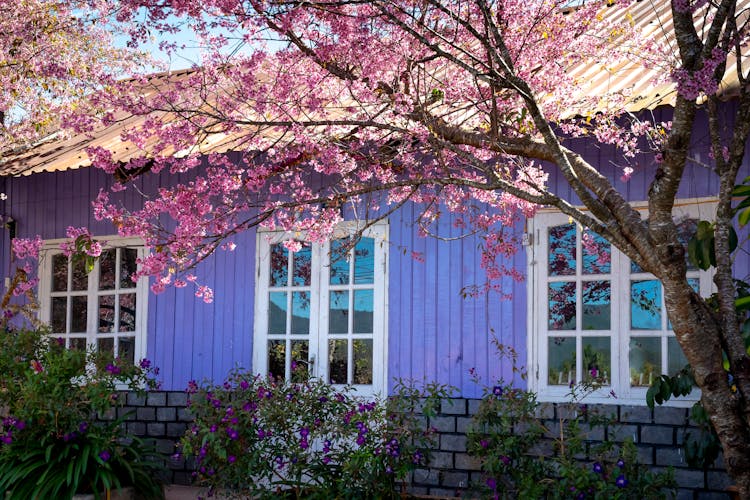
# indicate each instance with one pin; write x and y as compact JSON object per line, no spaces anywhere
{"x":52,"y":53}
{"x":456,"y":106}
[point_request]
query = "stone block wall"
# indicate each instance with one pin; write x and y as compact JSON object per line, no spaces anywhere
{"x":657,"y":433}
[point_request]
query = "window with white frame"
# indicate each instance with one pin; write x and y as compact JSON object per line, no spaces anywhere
{"x":596,"y":314}
{"x":102,"y":308}
{"x":322,"y":308}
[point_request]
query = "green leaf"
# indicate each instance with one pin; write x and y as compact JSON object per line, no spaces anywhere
{"x":704,"y":231}
{"x":744,"y":217}
{"x":742,"y":303}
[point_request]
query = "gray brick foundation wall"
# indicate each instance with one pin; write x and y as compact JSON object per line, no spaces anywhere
{"x":658,"y":435}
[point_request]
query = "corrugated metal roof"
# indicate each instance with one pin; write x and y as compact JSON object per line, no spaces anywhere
{"x":630,"y":78}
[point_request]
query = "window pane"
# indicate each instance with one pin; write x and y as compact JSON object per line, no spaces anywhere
{"x":338,"y":312}
{"x":128,"y":267}
{"x":80,"y":280}
{"x":59,"y":273}
{"x":126,"y":349}
{"x":300,"y":350}
{"x":676,"y":359}
{"x":302,"y":264}
{"x":79,"y":344}
{"x":106,"y":345}
{"x":597,"y":359}
{"x":78,"y":314}
{"x":300,"y":313}
{"x":364,"y":261}
{"x":597,"y":300}
{"x":107,"y":266}
{"x":277,"y":358}
{"x":127,"y":312}
{"x":562,"y":360}
{"x":339,"y":262}
{"x":363,"y":361}
{"x":562,"y":305}
{"x":645,"y":305}
{"x":363,"y":304}
{"x":279,"y":265}
{"x":597,"y":253}
{"x":337,"y":361}
{"x":59,"y":314}
{"x":562,"y":250}
{"x":645,"y":360}
{"x":277,"y":312}
{"x":106,"y":313}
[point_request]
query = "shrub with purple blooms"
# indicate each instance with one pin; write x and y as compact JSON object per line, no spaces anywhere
{"x":524,"y":456}
{"x":266,"y":437}
{"x":51,"y":442}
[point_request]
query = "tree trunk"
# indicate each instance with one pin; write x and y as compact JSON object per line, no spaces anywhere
{"x":699,"y":333}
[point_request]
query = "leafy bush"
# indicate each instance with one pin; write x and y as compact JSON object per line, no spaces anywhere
{"x":264,"y":437}
{"x":50,"y":443}
{"x":508,"y":437}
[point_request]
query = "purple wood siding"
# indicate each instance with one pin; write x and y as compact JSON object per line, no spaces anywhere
{"x":435,"y":334}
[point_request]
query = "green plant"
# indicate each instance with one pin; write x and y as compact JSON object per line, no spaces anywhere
{"x":265,"y":437}
{"x":52,"y":445}
{"x":524,"y":456}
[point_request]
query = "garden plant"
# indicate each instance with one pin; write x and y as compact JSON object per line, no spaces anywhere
{"x":55,"y":439}
{"x":266,"y":437}
{"x":524,"y":455}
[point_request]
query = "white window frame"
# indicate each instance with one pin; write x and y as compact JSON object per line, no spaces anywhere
{"x":319,"y":289}
{"x":51,"y":248}
{"x":620,"y":277}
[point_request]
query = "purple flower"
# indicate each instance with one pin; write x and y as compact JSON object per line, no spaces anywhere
{"x":304,"y":432}
{"x":105,"y":455}
{"x":620,"y":463}
{"x":83,"y":427}
{"x":484,"y":443}
{"x":244,"y":385}
{"x":303,"y":443}
{"x":594,"y":373}
{"x":497,"y":391}
{"x":113,"y":369}
{"x":326,"y":459}
{"x":323,"y":399}
{"x":231,"y":459}
{"x":60,"y":341}
{"x":20,"y":425}
{"x":621,"y":481}
{"x":360,"y":440}
{"x":232,"y":433}
{"x":598,"y":467}
{"x":505,"y":460}
{"x":7,"y":439}
{"x":213,"y":428}
{"x":145,"y":364}
{"x":491,"y":483}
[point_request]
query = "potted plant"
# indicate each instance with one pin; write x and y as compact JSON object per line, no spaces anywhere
{"x":52,"y":443}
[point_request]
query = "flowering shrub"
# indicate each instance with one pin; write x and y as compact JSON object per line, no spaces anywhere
{"x":264,"y":437}
{"x":51,"y":445}
{"x":507,"y":436}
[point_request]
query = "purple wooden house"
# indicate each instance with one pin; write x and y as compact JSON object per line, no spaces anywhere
{"x":376,"y":314}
